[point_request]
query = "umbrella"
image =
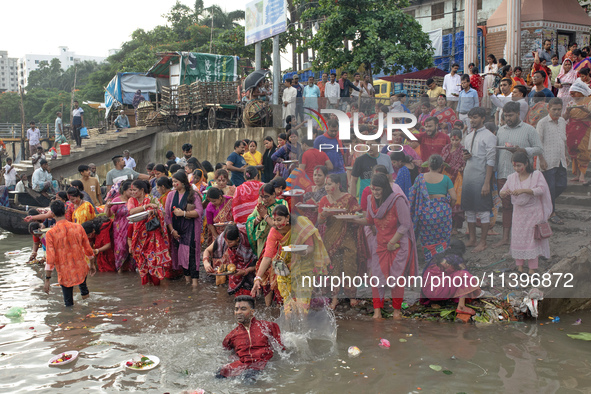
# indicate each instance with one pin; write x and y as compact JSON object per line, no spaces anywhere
{"x":254,"y":79}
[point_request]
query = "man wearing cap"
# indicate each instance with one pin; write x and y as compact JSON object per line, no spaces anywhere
{"x":122,"y":121}
{"x":121,"y":173}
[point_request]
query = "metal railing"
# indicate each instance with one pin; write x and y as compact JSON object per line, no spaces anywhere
{"x":13,"y":130}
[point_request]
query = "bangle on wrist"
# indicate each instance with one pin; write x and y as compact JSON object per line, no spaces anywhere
{"x":258,"y":278}
{"x":184,"y":214}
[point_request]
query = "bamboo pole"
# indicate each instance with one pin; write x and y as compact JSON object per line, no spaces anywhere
{"x":22,"y":105}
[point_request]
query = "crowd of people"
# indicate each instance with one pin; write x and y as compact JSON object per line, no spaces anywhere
{"x":317,"y":206}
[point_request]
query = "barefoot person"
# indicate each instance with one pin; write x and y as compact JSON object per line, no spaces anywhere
{"x":514,"y":135}
{"x":479,"y":155}
{"x":532,"y":204}
{"x":389,"y":211}
{"x":69,"y":252}
{"x":252,"y":341}
{"x":450,"y":265}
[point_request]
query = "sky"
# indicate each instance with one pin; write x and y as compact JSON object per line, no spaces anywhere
{"x":86,"y":27}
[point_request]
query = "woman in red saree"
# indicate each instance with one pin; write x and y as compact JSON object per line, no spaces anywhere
{"x":343,"y":241}
{"x":150,"y":249}
{"x":477,"y":82}
{"x":444,"y":113}
{"x":578,"y":128}
{"x":389,"y":210}
{"x":100,"y":234}
{"x":219,"y":210}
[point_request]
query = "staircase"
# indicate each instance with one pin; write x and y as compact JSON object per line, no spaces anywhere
{"x":98,"y":149}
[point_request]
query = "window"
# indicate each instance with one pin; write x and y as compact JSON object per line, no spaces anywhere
{"x":36,"y":61}
{"x":437,"y":11}
{"x":478,"y":5}
{"x":411,"y":13}
{"x":71,"y":58}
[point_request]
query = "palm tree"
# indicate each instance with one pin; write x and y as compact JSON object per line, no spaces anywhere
{"x":219,"y":19}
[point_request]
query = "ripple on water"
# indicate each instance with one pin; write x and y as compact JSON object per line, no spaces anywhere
{"x":185,"y":328}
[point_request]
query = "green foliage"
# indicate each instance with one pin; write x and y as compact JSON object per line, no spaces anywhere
{"x":381,"y":35}
{"x":187,"y":29}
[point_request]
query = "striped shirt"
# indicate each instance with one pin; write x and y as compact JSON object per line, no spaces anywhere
{"x":523,"y":136}
{"x":553,"y":137}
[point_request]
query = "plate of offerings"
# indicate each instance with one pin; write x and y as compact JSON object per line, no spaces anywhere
{"x":335,"y":210}
{"x":145,"y":363}
{"x":222,"y":224}
{"x":223,"y":270}
{"x":290,"y":161}
{"x":295,"y":248}
{"x":118,"y":202}
{"x":63,"y":358}
{"x":294,"y":193}
{"x":307,"y":206}
{"x":349,"y":216}
{"x":138,"y":217}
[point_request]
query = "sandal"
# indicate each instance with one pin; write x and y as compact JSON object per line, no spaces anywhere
{"x":470,"y":312}
{"x":555,"y":220}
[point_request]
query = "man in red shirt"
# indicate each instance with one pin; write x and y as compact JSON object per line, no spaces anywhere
{"x":313,"y":157}
{"x":432,"y":141}
{"x":252,"y":341}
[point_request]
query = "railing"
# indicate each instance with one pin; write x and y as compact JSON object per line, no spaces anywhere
{"x":13,"y":130}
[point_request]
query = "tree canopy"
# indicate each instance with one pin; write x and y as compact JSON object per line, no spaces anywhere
{"x":376,"y":34}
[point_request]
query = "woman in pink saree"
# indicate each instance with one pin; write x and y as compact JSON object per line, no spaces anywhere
{"x":120,"y":226}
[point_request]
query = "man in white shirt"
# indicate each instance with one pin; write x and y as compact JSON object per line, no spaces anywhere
{"x":77,"y":122}
{"x":289,"y":100}
{"x":332,"y":91}
{"x":60,"y":138}
{"x":9,"y":174}
{"x":505,"y":96}
{"x":452,"y":86}
{"x":129,"y":161}
{"x":553,"y":162}
{"x":42,"y":179}
{"x":34,"y":137}
{"x":37,"y":157}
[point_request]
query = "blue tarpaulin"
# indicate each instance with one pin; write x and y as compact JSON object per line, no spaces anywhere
{"x":123,"y":86}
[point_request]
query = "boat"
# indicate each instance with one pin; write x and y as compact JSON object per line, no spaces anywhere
{"x":12,"y":219}
{"x":29,"y":197}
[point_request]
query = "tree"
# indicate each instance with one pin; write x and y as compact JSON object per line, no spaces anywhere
{"x":377,"y":34}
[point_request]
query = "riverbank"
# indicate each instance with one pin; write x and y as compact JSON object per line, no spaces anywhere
{"x":184,"y":327}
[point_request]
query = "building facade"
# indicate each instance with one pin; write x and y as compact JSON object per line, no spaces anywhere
{"x":66,"y":57}
{"x":8,"y":73}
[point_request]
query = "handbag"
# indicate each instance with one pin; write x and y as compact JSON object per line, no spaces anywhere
{"x":542,"y":230}
{"x":280,"y":267}
{"x":83,"y":132}
{"x":153,"y":224}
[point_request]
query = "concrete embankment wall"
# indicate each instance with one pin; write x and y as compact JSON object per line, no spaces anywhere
{"x":211,"y":145}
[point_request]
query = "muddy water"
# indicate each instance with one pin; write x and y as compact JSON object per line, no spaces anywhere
{"x":185,"y":328}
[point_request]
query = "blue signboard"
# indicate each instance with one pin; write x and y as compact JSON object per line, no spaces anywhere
{"x":264,"y":19}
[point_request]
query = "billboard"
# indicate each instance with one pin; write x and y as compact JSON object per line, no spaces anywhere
{"x":264,"y":19}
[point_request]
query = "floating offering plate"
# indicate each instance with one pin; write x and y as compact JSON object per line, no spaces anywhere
{"x":63,"y":358}
{"x":145,"y":363}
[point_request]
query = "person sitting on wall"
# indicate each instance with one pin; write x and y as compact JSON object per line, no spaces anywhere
{"x":122,"y":122}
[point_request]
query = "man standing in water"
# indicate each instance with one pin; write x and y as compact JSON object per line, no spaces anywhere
{"x":253,"y":341}
{"x":69,"y":251}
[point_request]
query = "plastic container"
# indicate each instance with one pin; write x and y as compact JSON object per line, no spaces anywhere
{"x":65,"y":149}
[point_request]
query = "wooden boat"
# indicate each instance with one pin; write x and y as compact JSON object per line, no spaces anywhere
{"x":12,"y":219}
{"x":30,"y":197}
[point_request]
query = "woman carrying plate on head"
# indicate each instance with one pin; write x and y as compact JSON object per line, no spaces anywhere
{"x":149,"y":240}
{"x":343,"y":240}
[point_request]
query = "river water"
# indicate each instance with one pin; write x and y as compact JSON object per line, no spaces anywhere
{"x":184,"y":327}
